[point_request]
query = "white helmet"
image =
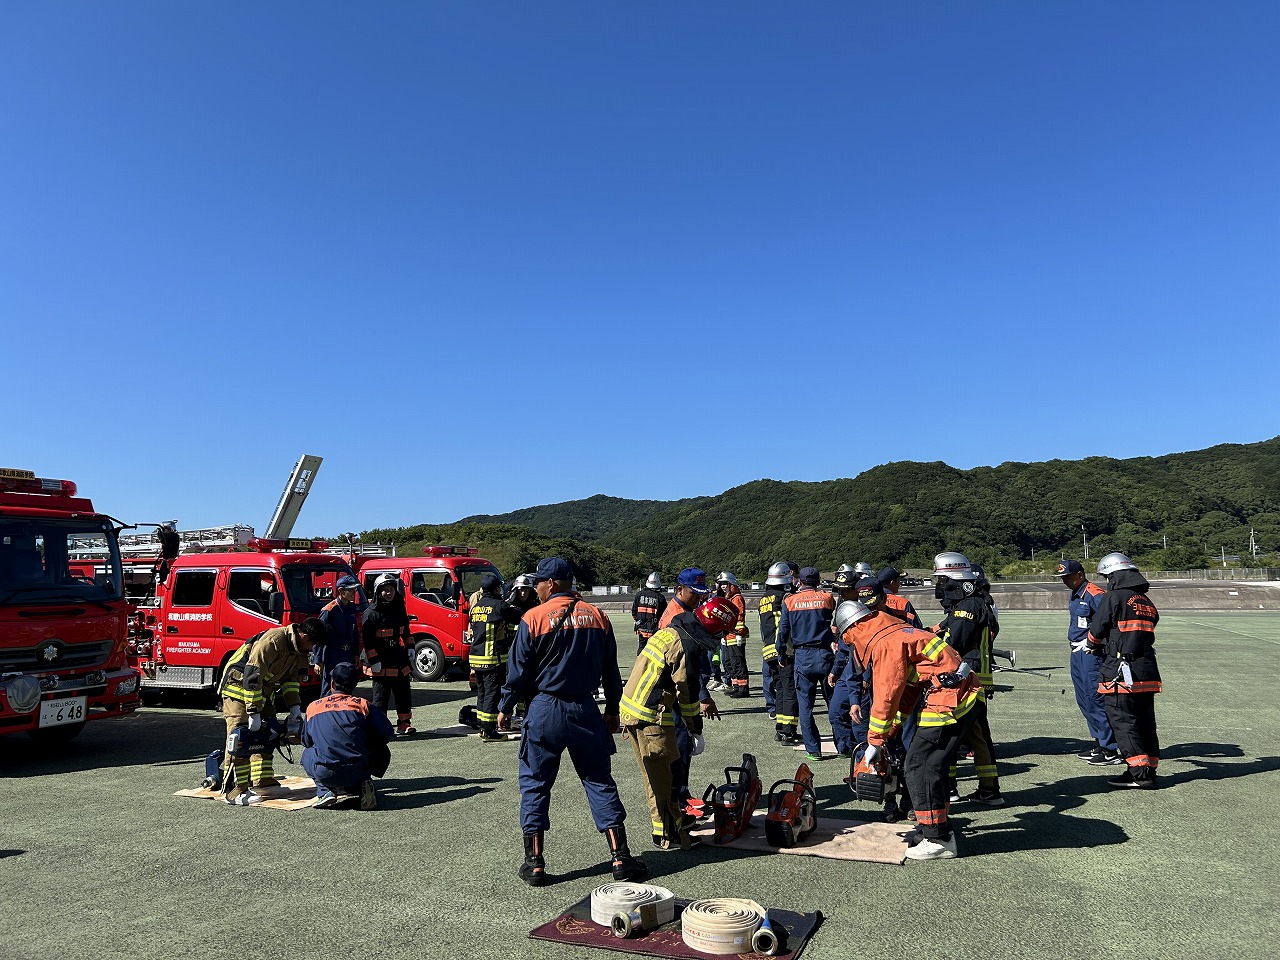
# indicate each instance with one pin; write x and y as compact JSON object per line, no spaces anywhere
{"x":845,"y":568}
{"x":849,"y":613}
{"x":727,"y":577}
{"x":524,"y":580}
{"x":653,"y":581}
{"x":1114,"y":563}
{"x":953,"y":565}
{"x":779,"y":574}
{"x":863,"y":569}
{"x":387,"y":580}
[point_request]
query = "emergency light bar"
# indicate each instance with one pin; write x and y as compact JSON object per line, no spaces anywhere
{"x":267,"y":544}
{"x":450,"y":551}
{"x":28,"y":482}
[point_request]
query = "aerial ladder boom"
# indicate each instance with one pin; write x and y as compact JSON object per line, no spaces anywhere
{"x":295,"y":493}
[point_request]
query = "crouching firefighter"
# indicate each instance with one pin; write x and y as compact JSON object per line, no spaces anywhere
{"x":665,"y":682}
{"x":385,"y":631}
{"x":907,"y":663}
{"x":272,"y":663}
{"x":345,"y":743}
{"x":493,"y":624}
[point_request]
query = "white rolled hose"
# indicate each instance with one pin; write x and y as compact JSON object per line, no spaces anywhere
{"x":722,"y":926}
{"x":631,"y":908}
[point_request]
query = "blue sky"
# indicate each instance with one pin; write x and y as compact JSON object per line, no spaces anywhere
{"x":480,"y":256}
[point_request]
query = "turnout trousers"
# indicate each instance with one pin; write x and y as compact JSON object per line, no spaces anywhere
{"x":488,"y":693}
{"x":1133,"y":720}
{"x":551,"y":727}
{"x":388,"y":687}
{"x":930,"y":757}
{"x":656,"y":752}
{"x":813,"y":664}
{"x":255,"y":768}
{"x":978,"y":739}
{"x":1085,"y":668}
{"x":736,"y":666}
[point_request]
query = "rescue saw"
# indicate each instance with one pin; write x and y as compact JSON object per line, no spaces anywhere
{"x":733,"y":801}
{"x":877,"y":780}
{"x":793,"y":810}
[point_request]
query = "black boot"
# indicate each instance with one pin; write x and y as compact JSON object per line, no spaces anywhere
{"x":625,"y":866}
{"x":534,"y":869}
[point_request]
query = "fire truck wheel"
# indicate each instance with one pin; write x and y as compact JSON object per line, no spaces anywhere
{"x":54,"y":735}
{"x":428,"y":661}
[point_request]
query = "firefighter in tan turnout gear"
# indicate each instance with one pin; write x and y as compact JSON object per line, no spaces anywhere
{"x":271,"y":664}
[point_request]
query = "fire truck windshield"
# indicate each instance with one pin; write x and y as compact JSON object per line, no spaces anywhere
{"x":472,"y":575}
{"x":58,"y":561}
{"x":310,"y":588}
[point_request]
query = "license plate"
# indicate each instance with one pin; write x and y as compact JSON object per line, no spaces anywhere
{"x":54,"y":713}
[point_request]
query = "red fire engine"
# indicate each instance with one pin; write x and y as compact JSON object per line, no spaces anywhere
{"x":62,"y":624}
{"x":208,"y":604}
{"x":436,"y":588}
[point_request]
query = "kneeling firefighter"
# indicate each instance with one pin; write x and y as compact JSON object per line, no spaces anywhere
{"x":346,"y":743}
{"x":270,"y":664}
{"x":664,"y":682}
{"x":907,"y":663}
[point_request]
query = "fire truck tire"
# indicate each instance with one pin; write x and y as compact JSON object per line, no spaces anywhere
{"x":54,"y":735}
{"x":428,"y":662}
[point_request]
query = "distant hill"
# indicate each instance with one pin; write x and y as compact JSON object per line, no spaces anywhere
{"x":1204,"y":502}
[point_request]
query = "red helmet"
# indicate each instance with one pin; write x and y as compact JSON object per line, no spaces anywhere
{"x":718,"y":615}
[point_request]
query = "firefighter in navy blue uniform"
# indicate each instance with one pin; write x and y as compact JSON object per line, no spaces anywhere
{"x":646,"y":609}
{"x":805,"y":629}
{"x":385,"y":630}
{"x":341,"y":617}
{"x":1124,"y":628}
{"x":967,"y":627}
{"x":493,"y":623}
{"x":779,"y":675}
{"x":846,"y":683}
{"x":563,"y":651}
{"x":345,"y":743}
{"x":1086,"y":664}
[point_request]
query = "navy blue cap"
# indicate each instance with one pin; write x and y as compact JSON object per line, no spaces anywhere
{"x":344,"y":677}
{"x":490,"y":582}
{"x":888,"y":575}
{"x":694,"y":579}
{"x":1068,"y":567}
{"x":552,"y":568}
{"x":809,"y":576}
{"x":347,"y":582}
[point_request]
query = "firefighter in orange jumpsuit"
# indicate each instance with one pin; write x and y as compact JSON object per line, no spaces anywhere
{"x":735,"y":641}
{"x":907,"y":663}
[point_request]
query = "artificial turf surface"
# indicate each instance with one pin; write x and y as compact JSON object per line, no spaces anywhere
{"x":98,"y":858}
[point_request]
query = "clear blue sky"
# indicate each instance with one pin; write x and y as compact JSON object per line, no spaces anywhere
{"x":481,"y":256}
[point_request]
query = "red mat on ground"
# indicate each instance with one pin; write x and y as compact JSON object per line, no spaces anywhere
{"x":575,"y":926}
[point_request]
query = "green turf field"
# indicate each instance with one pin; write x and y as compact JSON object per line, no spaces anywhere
{"x":98,"y":858}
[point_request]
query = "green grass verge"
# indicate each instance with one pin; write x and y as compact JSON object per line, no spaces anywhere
{"x":100,"y":859}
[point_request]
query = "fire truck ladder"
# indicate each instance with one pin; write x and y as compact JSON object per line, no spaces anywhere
{"x":295,"y":493}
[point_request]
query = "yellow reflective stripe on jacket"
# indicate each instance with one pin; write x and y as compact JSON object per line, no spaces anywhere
{"x":930,"y":718}
{"x":876,"y":725}
{"x":934,"y":647}
{"x":769,"y":651}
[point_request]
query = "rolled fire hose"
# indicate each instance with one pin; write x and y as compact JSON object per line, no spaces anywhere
{"x":722,"y":926}
{"x":632,"y":908}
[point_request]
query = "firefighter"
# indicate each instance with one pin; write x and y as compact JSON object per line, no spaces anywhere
{"x":523,"y":596}
{"x":890,"y":580}
{"x":967,"y":626}
{"x":779,"y":678}
{"x":847,"y":687}
{"x":646,"y":609}
{"x":272,"y":663}
{"x":1086,"y":663}
{"x":341,"y":617}
{"x":563,"y":650}
{"x":805,"y":628}
{"x":1123,"y":628}
{"x":665,"y":683}
{"x":734,"y":646}
{"x":385,"y":630}
{"x":906,"y":663}
{"x":493,"y":623}
{"x":691,"y":590}
{"x":345,"y":743}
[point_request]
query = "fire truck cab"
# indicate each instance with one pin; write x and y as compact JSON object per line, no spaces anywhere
{"x":210,"y":603}
{"x":62,"y":624}
{"x":436,"y":588}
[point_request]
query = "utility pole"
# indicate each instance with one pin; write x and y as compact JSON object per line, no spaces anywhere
{"x":1253,"y":544}
{"x":1086,"y":542}
{"x":1166,"y":541}
{"x":1224,"y":556}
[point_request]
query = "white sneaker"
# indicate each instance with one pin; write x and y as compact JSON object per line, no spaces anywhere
{"x":934,"y":849}
{"x":245,"y":799}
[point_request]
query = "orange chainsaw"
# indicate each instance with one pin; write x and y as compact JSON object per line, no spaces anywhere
{"x":793,"y":810}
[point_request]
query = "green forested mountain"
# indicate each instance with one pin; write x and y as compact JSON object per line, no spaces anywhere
{"x":1014,"y":517}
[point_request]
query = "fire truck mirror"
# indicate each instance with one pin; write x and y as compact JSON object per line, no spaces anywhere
{"x":275,"y":606}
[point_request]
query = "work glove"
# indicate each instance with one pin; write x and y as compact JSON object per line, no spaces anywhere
{"x":1080,"y":646}
{"x":699,"y":744}
{"x":295,"y":712}
{"x":255,"y":722}
{"x":869,"y":755}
